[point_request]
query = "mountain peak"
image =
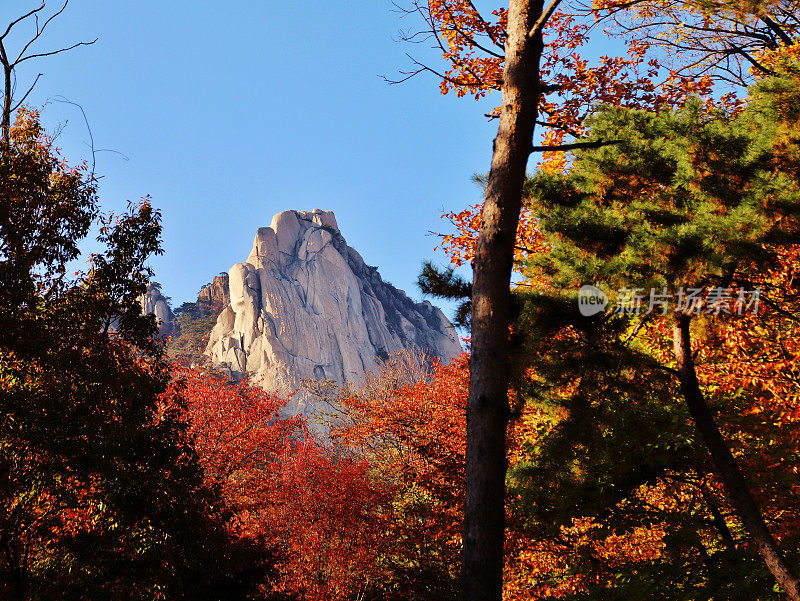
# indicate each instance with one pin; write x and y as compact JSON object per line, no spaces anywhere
{"x":305,"y":305}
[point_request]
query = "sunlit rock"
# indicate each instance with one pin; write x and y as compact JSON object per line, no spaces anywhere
{"x":305,"y":306}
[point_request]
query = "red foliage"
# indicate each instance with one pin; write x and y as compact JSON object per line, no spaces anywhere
{"x":327,"y":518}
{"x":238,"y":432}
{"x":415,"y":436}
{"x":320,"y":514}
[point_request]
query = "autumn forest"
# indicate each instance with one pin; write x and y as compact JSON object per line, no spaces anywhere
{"x":623,"y":422}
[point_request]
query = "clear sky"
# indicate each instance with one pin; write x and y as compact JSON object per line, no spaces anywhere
{"x":229,"y":112}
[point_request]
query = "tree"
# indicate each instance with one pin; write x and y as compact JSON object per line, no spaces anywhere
{"x":239,"y":435}
{"x":11,"y":61}
{"x":316,"y":515}
{"x":191,"y":330}
{"x":685,"y":199}
{"x":731,"y":42}
{"x":409,"y":425}
{"x":466,"y":40}
{"x":618,"y":495}
{"x":487,"y":411}
{"x":327,"y":517}
{"x":674,"y":50}
{"x":102,"y":494}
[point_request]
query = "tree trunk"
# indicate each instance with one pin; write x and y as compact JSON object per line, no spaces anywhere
{"x":6,"y":119}
{"x":8,"y":70}
{"x":719,"y":519}
{"x":725,"y":464}
{"x":488,"y":411}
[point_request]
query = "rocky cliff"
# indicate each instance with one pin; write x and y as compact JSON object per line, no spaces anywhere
{"x":215,"y":296}
{"x":154,"y":303}
{"x":305,"y":306}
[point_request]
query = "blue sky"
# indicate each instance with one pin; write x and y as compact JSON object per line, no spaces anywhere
{"x":230,"y":112}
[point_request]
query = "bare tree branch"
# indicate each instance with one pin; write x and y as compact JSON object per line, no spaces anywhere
{"x":544,"y":18}
{"x":33,"y":85}
{"x":422,"y":69}
{"x":20,"y":19}
{"x":575,"y":146}
{"x":40,"y":31}
{"x":64,"y":100}
{"x":9,"y":66}
{"x":41,"y":54}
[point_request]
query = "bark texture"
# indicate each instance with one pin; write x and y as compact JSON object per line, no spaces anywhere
{"x":488,"y":411}
{"x":725,"y":464}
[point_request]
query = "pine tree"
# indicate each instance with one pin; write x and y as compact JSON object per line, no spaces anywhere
{"x":690,"y":199}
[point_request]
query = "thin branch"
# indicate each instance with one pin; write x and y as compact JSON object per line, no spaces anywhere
{"x":41,"y":54}
{"x":544,"y":18}
{"x":558,"y":126}
{"x":718,"y":30}
{"x":489,"y":34}
{"x":111,"y":150}
{"x":64,"y":100}
{"x":434,"y":33}
{"x":621,"y":7}
{"x":466,"y":36}
{"x":575,"y":146}
{"x":40,"y":31}
{"x":33,"y":85}
{"x":458,"y":63}
{"x":22,"y":18}
{"x":422,"y":68}
{"x":472,"y":40}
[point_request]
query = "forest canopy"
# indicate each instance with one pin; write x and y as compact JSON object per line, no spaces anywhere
{"x":624,"y":422}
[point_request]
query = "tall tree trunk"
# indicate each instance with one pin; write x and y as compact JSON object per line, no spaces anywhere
{"x":5,"y":126}
{"x":725,"y":464}
{"x":6,"y":121}
{"x":488,"y":411}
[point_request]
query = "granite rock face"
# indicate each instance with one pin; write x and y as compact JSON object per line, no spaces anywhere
{"x":154,"y":303}
{"x":305,"y":306}
{"x":215,"y":296}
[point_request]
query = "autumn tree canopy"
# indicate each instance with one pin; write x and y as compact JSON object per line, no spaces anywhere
{"x":687,"y":200}
{"x":666,"y":52}
{"x":102,"y":493}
